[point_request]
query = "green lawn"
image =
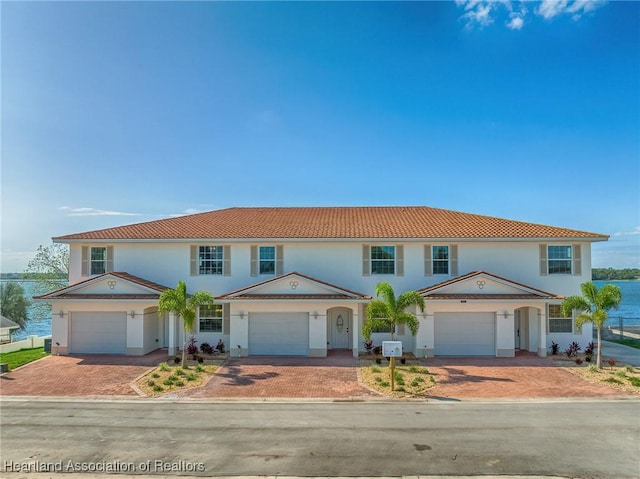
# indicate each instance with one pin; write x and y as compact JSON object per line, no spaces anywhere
{"x":24,"y":356}
{"x":634,"y":343}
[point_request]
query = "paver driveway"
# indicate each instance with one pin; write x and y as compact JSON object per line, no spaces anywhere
{"x":285,"y":377}
{"x":90,"y":375}
{"x":525,"y":376}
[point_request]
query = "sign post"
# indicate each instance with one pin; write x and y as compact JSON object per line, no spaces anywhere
{"x":392,"y":350}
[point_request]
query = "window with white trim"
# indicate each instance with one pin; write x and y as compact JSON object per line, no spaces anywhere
{"x":440,"y":258}
{"x":210,"y":259}
{"x":558,"y":322}
{"x":267,"y":260}
{"x":210,"y":318}
{"x":98,"y":260}
{"x":559,"y":259}
{"x":383,"y":260}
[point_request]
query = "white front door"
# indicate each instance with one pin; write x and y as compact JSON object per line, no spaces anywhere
{"x":340,"y":328}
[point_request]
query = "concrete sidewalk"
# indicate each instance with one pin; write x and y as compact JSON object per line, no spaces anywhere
{"x":622,"y":354}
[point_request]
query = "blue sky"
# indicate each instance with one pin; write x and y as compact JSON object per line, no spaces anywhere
{"x":118,"y":112}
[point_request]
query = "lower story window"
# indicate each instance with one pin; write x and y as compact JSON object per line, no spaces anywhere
{"x":210,"y":319}
{"x":558,"y":322}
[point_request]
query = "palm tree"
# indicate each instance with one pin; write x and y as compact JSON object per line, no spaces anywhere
{"x":14,"y":304}
{"x":593,"y":306}
{"x":389,"y":311}
{"x":184,"y":306}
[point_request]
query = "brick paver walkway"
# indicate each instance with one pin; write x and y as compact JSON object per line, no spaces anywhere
{"x":285,"y":377}
{"x":90,"y":375}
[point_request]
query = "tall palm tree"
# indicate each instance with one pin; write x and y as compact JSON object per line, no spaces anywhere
{"x":14,"y":304}
{"x":184,"y":306}
{"x":389,"y":311}
{"x":593,"y":306}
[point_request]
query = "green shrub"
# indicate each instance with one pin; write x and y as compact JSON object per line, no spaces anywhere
{"x":613,"y":381}
{"x":178,"y":383}
{"x":191,"y":377}
{"x":375,"y":369}
{"x":621,"y":373}
{"x":378,"y":379}
{"x":199,"y":369}
{"x":157,"y":388}
{"x":384,"y":384}
{"x":634,"y":381}
{"x":151,"y":382}
{"x":629,"y":369}
{"x":155,"y":375}
{"x":163,"y":367}
{"x":179,"y":372}
{"x":172,"y":378}
{"x":168,"y":382}
{"x":400,"y":389}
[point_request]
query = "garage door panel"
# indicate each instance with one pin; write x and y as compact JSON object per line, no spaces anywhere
{"x":464,"y":334}
{"x":282,"y":334}
{"x":98,"y":333}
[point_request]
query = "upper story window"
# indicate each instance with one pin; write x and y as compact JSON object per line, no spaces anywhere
{"x":210,"y":319}
{"x":560,"y":259}
{"x":440,"y":259}
{"x":558,"y":322}
{"x":440,"y":256}
{"x":210,"y":259}
{"x":97,"y":260}
{"x":267,"y":260}
{"x":382,"y":259}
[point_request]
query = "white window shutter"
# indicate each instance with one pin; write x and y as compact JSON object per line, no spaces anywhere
{"x":254,"y":261}
{"x":85,"y":261}
{"x":279,"y":259}
{"x":577,"y":260}
{"x":225,"y":318}
{"x":543,"y":260}
{"x":109,"y":263}
{"x":226,"y":260}
{"x":399,"y":260}
{"x":428,"y":261}
{"x":453,"y":260}
{"x":194,"y":260}
{"x":366,"y":253}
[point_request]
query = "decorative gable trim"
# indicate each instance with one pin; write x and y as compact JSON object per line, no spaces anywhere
{"x":254,"y":291}
{"x":523,"y":291}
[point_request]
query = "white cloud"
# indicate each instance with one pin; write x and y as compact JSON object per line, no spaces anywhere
{"x":551,"y":8}
{"x":480,"y":13}
{"x":83,"y":211}
{"x":515,"y":23}
{"x":635,"y":231}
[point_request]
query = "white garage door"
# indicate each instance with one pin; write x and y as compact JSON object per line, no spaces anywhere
{"x":282,"y":334}
{"x":465,"y":334}
{"x":98,"y":333}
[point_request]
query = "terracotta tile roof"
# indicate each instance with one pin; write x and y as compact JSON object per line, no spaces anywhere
{"x":331,"y":222}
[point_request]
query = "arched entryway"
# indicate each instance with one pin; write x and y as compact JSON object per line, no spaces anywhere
{"x":339,"y":328}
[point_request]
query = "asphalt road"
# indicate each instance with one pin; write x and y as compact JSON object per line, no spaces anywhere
{"x":587,"y":439}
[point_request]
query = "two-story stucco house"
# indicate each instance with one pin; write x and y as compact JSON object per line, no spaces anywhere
{"x":295,"y":281}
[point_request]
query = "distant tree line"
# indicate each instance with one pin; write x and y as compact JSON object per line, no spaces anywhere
{"x":603,"y":274}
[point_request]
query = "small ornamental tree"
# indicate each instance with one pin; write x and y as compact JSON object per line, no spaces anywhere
{"x":593,"y":306}
{"x":14,"y":304}
{"x":387,"y":311}
{"x":184,"y":306}
{"x":48,"y":270}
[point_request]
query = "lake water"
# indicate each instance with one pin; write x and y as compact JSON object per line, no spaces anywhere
{"x":629,"y":309}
